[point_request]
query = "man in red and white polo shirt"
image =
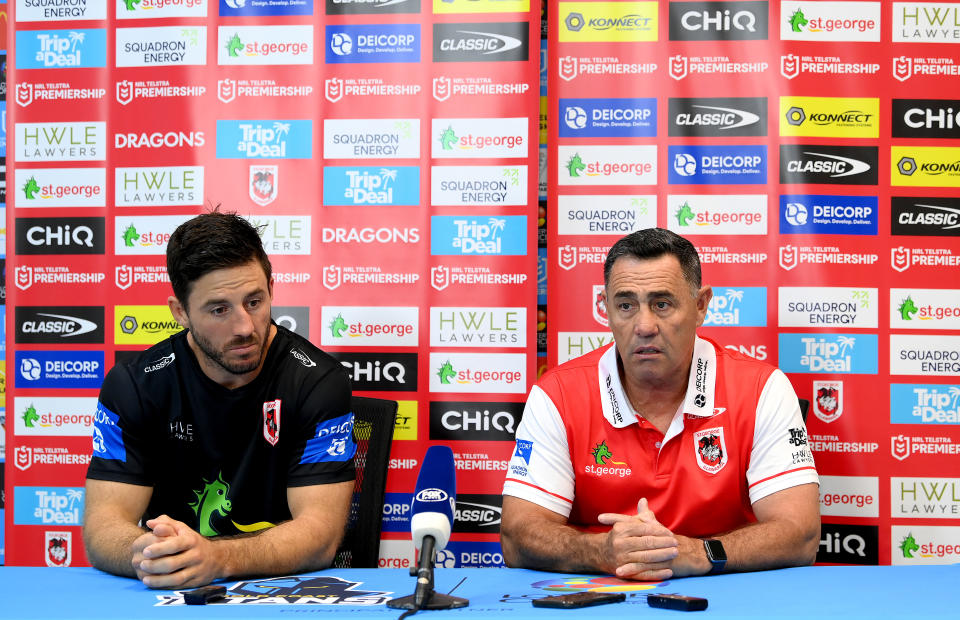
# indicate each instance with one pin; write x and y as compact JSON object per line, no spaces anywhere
{"x":664,"y":454}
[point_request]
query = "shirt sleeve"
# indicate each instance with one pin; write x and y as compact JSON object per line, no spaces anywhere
{"x":120,"y":443}
{"x":324,"y":446}
{"x":540,"y":470}
{"x":780,"y":457}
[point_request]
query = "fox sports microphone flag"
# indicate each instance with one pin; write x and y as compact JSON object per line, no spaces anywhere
{"x":434,"y":498}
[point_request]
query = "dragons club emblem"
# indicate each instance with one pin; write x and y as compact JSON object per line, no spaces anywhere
{"x":711,"y":449}
{"x":828,"y":403}
{"x":271,"y":421}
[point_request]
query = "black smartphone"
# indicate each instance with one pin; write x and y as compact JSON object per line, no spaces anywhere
{"x":204,"y":595}
{"x":579,"y":599}
{"x":676,"y":601}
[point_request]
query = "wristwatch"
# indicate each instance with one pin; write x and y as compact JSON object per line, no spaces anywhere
{"x":716,"y":555}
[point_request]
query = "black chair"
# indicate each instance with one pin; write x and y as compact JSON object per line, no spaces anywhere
{"x":373,"y":425}
{"x":804,"y":406}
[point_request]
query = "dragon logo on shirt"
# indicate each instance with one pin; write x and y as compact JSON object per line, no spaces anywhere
{"x":210,"y":500}
{"x":601,"y":453}
{"x":711,"y":449}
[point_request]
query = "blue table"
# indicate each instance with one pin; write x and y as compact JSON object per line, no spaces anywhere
{"x":811,"y":593}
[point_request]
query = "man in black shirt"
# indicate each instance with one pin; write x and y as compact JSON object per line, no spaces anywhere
{"x":227,"y":449}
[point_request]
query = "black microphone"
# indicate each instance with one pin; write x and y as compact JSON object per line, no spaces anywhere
{"x":434,"y":500}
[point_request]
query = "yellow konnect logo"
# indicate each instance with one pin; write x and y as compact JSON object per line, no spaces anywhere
{"x":583,"y":22}
{"x":143,"y":324}
{"x":830,"y":117}
{"x":442,"y":7}
{"x":405,"y":427}
{"x":925,"y":166}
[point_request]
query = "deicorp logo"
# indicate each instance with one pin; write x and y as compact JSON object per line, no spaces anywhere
{"x":723,"y":165}
{"x":373,"y":43}
{"x":628,"y":117}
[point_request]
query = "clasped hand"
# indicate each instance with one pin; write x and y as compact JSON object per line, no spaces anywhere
{"x":173,"y":555}
{"x":640,"y":547}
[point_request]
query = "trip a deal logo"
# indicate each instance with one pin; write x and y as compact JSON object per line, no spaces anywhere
{"x":264,"y":139}
{"x":924,"y":403}
{"x":371,"y":185}
{"x":741,"y":306}
{"x":48,"y":505}
{"x":373,"y":43}
{"x":597,"y":22}
{"x":829,"y":353}
{"x":717,"y":165}
{"x":455,"y":235}
{"x":61,"y":49}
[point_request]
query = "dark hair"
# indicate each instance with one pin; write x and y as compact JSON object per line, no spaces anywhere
{"x":209,"y":242}
{"x":654,"y":243}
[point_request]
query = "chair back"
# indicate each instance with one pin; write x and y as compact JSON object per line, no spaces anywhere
{"x":373,"y":426}
{"x":804,"y":407}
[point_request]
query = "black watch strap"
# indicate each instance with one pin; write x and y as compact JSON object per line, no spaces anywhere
{"x":716,"y":555}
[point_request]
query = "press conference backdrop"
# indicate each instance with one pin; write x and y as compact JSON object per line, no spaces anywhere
{"x":805,"y":148}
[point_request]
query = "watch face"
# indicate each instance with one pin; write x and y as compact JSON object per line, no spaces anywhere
{"x":715,"y":550}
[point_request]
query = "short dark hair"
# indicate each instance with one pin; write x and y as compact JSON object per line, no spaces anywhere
{"x":209,"y":242}
{"x":654,"y":243}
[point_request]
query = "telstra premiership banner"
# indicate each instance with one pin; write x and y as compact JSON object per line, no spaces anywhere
{"x":809,"y":150}
{"x":386,"y":150}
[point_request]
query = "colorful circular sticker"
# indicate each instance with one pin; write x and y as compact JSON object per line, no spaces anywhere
{"x":595,"y":584}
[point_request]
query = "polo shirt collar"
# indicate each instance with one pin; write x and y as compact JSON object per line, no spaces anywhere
{"x":699,"y":398}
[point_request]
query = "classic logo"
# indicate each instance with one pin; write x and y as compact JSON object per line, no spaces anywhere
{"x":373,"y":43}
{"x":61,"y":49}
{"x":481,"y":42}
{"x":265,"y":139}
{"x":265,"y":45}
{"x":371,"y":185}
{"x":717,"y":165}
{"x":843,"y":117}
{"x":828,"y":400}
{"x":478,"y":373}
{"x":474,"y":421}
{"x":370,"y":7}
{"x":248,"y":8}
{"x":60,"y":187}
{"x":933,"y":355}
{"x":161,"y":46}
{"x":148,"y":9}
{"x":849,"y":544}
{"x":834,"y":21}
{"x":607,"y":164}
{"x":926,"y":118}
{"x":924,"y":403}
{"x":61,"y":235}
{"x":711,"y":449}
{"x":388,"y":372}
{"x":452,"y":235}
{"x":825,"y":215}
{"x":58,"y":324}
{"x":477,"y":513}
{"x":394,"y":138}
{"x":158,"y":186}
{"x":264,"y":183}
{"x":477,"y":185}
{"x":828,"y":353}
{"x":718,"y":214}
{"x":825,"y":164}
{"x":479,"y":137}
{"x":718,"y":21}
{"x":56,"y":10}
{"x":608,"y":21}
{"x":478,"y":327}
{"x":59,"y":548}
{"x":81,"y":141}
{"x":627,"y":117}
{"x":926,"y":22}
{"x":271,"y":421}
{"x":717,"y":116}
{"x":604,"y":214}
{"x":827,"y":306}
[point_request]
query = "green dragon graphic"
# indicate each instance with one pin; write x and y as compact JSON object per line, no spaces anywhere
{"x":907,"y":309}
{"x":797,"y":21}
{"x":130,"y":235}
{"x":213,"y":498}
{"x":30,"y":188}
{"x":684,"y":214}
{"x":448,"y":138}
{"x":446,"y":373}
{"x":130,"y":3}
{"x":908,"y":545}
{"x":234,"y":45}
{"x":30,"y":416}
{"x":575,"y":165}
{"x":601,"y":452}
{"x":338,"y":326}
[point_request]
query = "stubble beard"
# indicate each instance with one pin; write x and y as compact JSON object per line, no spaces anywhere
{"x":218,"y":357}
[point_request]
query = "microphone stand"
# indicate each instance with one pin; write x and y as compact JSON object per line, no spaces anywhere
{"x":423,"y":596}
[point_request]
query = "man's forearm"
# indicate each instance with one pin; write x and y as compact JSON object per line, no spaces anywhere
{"x":109,"y":545}
{"x":773,"y":544}
{"x":553,"y":546}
